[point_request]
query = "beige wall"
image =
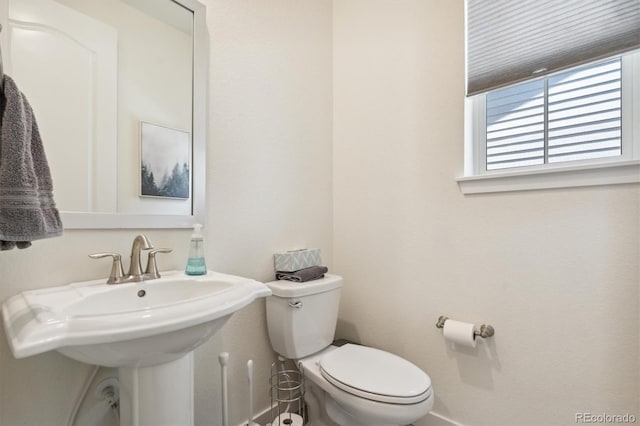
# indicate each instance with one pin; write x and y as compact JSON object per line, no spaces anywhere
{"x":268,"y":188}
{"x":555,"y":272}
{"x":269,"y":167}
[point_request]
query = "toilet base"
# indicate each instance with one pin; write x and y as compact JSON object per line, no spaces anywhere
{"x":341,"y":417}
{"x":324,"y":411}
{"x":315,"y":399}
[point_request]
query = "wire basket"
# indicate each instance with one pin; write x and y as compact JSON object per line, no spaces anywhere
{"x":286,"y":390}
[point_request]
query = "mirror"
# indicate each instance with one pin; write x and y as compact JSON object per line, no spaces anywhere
{"x":119,"y":91}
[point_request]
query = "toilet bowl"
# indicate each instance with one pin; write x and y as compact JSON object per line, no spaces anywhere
{"x":369,"y":386}
{"x":360,"y":385}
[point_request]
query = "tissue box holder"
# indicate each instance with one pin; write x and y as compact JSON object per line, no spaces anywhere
{"x":291,"y":261}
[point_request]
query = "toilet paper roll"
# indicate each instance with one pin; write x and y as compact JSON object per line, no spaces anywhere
{"x":288,"y":419}
{"x":460,"y":333}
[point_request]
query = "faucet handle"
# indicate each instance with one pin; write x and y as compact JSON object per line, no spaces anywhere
{"x":116,"y":267}
{"x":152,"y":267}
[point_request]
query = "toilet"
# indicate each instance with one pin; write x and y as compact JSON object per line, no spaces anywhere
{"x":348,"y":385}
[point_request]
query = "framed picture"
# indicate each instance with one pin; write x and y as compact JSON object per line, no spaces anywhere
{"x":164,"y":162}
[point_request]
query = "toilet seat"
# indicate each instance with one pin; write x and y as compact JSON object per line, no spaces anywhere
{"x":375,"y":375}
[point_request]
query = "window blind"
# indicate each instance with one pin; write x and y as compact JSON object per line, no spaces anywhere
{"x":511,"y":41}
{"x":569,"y":116}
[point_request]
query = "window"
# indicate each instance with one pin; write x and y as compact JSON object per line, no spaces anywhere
{"x":553,"y":94}
{"x":575,"y":120}
{"x":571,"y":116}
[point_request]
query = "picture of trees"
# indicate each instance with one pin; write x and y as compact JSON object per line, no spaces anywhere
{"x":164,"y":165}
{"x":176,"y":185}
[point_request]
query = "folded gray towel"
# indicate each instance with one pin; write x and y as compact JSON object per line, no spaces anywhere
{"x":27,"y":209}
{"x":303,"y":275}
{"x":9,"y":245}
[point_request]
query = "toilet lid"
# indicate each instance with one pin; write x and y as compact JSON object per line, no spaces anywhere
{"x":375,"y":374}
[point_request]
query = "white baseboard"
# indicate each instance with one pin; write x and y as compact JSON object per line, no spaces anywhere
{"x":431,"y":419}
{"x":435,"y":419}
{"x":262,"y":418}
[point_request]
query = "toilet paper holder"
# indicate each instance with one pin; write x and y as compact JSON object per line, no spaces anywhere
{"x":485,"y":329}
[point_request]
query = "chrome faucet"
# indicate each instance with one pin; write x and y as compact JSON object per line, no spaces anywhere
{"x":135,"y":274}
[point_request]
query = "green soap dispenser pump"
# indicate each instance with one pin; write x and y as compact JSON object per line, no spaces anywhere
{"x":196,"y":264}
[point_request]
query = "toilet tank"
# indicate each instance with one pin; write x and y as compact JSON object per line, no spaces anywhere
{"x":302,"y":317}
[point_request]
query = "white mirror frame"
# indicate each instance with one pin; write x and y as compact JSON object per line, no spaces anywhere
{"x":77,"y":220}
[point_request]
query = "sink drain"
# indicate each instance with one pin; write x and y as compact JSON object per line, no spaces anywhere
{"x":141,"y":293}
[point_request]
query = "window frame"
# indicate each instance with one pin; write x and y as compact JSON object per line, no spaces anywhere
{"x":601,"y":171}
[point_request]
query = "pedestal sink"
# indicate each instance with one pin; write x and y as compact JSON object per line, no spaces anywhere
{"x":148,"y":330}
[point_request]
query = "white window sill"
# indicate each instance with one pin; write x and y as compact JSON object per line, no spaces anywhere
{"x":561,"y":177}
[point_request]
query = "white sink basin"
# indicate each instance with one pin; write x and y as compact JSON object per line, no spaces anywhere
{"x":126,"y":325}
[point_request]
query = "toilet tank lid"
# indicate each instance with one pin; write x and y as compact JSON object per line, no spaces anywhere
{"x":283,"y":288}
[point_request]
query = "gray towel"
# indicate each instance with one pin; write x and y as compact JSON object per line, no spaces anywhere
{"x":303,"y":275}
{"x":27,"y":209}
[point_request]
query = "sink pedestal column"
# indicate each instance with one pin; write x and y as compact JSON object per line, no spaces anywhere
{"x":160,"y":395}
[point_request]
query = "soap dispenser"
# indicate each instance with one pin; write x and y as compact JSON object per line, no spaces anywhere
{"x":196,"y":264}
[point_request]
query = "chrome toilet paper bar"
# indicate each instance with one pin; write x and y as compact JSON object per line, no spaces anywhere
{"x":485,"y":329}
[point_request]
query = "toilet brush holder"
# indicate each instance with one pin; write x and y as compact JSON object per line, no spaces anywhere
{"x":250,"y":421}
